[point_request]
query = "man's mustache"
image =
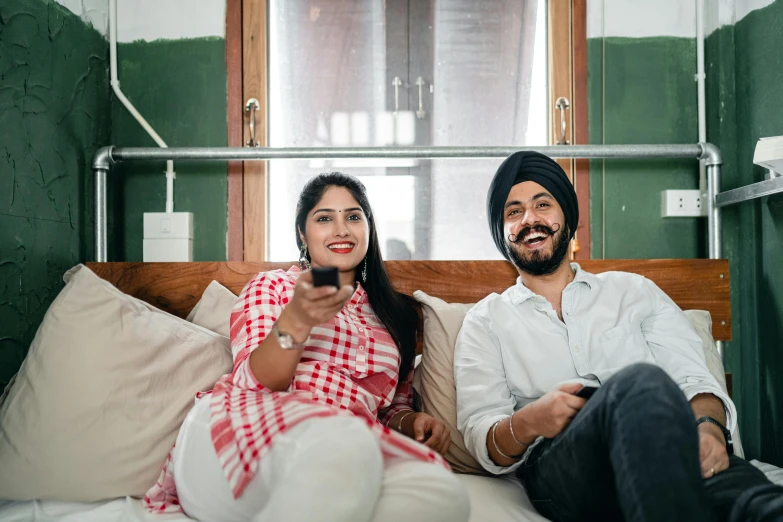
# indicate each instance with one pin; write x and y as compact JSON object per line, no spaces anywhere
{"x":535,"y":228}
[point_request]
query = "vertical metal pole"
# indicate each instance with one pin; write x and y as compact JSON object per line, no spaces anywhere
{"x":100,"y":215}
{"x":714,"y":223}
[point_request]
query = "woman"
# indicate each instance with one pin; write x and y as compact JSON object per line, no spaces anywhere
{"x":314,"y":424}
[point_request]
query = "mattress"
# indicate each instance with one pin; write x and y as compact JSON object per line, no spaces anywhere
{"x":491,"y":499}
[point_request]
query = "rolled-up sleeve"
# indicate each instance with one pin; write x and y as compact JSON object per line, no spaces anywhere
{"x":483,"y":395}
{"x":678,"y":349}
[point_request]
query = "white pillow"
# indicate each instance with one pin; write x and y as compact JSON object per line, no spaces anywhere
{"x":99,"y":399}
{"x":213,"y":310}
{"x":433,"y":379}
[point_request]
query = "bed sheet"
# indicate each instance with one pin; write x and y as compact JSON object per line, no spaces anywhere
{"x":118,"y":510}
{"x":131,"y":510}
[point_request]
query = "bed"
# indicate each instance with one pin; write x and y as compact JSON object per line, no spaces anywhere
{"x":176,"y":288}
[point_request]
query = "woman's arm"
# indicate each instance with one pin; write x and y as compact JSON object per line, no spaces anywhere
{"x":256,"y":313}
{"x":401,"y":404}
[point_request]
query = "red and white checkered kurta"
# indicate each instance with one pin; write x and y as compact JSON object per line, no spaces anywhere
{"x":349,"y":367}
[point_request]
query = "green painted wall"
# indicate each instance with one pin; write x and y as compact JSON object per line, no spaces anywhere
{"x":180,"y":88}
{"x":641,"y":91}
{"x":745,"y":84}
{"x":54,"y":114}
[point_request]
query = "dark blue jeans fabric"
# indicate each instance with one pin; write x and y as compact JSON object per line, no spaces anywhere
{"x":632,"y":453}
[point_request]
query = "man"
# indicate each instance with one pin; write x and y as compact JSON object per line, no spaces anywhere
{"x":653,"y":443}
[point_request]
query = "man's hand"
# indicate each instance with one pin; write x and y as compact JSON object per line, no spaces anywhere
{"x":549,"y":415}
{"x":712,"y":450}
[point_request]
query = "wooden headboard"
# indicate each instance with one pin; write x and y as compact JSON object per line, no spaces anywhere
{"x":701,"y":284}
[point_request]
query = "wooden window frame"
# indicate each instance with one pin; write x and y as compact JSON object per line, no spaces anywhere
{"x":247,"y":73}
{"x":567,"y":21}
{"x":235,"y":120}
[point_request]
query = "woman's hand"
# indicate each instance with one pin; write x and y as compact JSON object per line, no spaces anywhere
{"x":431,"y":432}
{"x":311,"y":306}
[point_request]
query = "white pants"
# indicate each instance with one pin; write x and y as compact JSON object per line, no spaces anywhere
{"x":321,"y":470}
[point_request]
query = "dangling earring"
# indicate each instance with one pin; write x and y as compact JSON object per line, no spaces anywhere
{"x":364,"y":271}
{"x":304,"y":264}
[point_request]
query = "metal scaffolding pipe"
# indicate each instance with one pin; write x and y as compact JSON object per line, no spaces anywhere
{"x":714,"y":223}
{"x":100,"y":215}
{"x":106,"y":156}
{"x":267,"y":153}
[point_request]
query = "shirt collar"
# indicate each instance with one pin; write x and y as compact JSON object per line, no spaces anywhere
{"x":519,"y":293}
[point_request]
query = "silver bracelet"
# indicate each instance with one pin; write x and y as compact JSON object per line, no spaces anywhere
{"x":399,"y":424}
{"x":511,"y":427}
{"x":495,"y":443}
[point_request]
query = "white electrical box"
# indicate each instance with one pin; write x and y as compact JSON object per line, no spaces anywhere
{"x":682,"y":203}
{"x":168,"y":236}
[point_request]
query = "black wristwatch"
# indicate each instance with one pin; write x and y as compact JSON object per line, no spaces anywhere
{"x":726,"y":432}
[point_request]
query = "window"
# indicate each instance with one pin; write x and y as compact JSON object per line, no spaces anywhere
{"x":402,"y":73}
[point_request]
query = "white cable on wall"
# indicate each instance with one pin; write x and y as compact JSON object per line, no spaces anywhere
{"x":115,"y":85}
{"x":701,"y":102}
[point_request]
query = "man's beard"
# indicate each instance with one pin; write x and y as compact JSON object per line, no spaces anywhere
{"x":539,"y":263}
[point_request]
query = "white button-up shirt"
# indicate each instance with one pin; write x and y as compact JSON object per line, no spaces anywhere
{"x":513,"y":348}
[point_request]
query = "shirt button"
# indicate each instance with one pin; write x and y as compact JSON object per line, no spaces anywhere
{"x":577,"y":348}
{"x":361,"y":329}
{"x":361,"y":348}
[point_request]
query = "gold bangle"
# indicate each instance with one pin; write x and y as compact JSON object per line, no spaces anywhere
{"x":399,"y":424}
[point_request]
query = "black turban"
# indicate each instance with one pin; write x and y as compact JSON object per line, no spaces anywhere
{"x":529,"y":166}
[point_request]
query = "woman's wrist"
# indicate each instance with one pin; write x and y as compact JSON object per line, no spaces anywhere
{"x":289,"y":324}
{"x":404,"y":421}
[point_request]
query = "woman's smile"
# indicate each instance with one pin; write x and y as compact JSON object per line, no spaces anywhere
{"x":344,"y":247}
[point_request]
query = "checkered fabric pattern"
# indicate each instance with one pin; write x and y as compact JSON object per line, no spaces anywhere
{"x":349,"y":367}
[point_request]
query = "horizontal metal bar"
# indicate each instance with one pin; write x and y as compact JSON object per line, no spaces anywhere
{"x":748,"y":192}
{"x":267,"y":153}
{"x":105,"y":157}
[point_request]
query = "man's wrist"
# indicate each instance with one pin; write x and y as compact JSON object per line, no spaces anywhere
{"x":709,"y":426}
{"x":522,"y":428}
{"x":711,"y":429}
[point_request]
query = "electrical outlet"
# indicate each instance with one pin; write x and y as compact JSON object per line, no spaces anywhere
{"x":168,"y":236}
{"x":682,"y":203}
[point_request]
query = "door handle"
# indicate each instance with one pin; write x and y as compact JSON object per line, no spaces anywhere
{"x":252,"y":106}
{"x":420,"y":113}
{"x":396,"y":82}
{"x":562,"y":104}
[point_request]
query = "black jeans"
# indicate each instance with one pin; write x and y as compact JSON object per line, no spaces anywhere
{"x":632,"y":453}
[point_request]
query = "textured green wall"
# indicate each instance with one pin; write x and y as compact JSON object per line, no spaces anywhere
{"x":180,"y":88}
{"x":745,"y":84}
{"x":641,"y":91}
{"x":54,"y":114}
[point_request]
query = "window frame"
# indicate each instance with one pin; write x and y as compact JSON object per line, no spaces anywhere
{"x":247,"y":76}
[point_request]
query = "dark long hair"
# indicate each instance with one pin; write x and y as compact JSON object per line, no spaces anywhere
{"x":396,"y":311}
